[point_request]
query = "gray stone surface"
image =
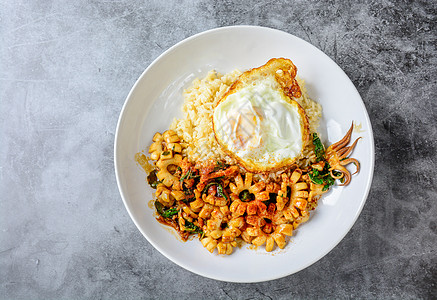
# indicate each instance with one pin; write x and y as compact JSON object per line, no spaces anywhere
{"x":65,"y":70}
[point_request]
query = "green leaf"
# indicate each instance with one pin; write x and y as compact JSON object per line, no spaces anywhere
{"x":188,"y":175}
{"x":319,"y":149}
{"x":152,"y":180}
{"x":329,"y":180}
{"x":190,"y":227}
{"x":185,"y":176}
{"x":219,"y":166}
{"x":187,"y":191}
{"x":159,"y":207}
{"x":205,"y":189}
{"x":220,"y":191}
{"x":170,"y":212}
{"x":166,"y":213}
{"x":315,"y":179}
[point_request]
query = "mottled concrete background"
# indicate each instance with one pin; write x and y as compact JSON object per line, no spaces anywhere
{"x":65,"y":70}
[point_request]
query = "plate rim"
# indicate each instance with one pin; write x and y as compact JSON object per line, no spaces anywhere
{"x":118,"y":172}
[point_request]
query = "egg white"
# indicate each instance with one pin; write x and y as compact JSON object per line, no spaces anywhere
{"x":260,"y":125}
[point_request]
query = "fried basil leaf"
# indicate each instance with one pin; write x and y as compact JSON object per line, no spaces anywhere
{"x":220,"y":166}
{"x":152,"y":180}
{"x":221,"y":192}
{"x":165,"y":212}
{"x":188,"y":175}
{"x":220,"y":189}
{"x":315,"y":179}
{"x":205,"y":189}
{"x":190,"y":227}
{"x":319,"y":149}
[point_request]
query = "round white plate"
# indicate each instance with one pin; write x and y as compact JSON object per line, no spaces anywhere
{"x":156,"y":99}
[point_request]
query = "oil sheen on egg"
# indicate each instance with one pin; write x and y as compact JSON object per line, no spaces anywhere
{"x":260,"y":126}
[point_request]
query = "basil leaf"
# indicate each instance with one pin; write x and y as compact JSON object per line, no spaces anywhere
{"x":190,"y":227}
{"x":152,"y":180}
{"x":188,"y":175}
{"x":329,"y":180}
{"x":170,"y":212}
{"x":159,"y":207}
{"x":205,"y":189}
{"x":315,"y":179}
{"x":220,"y":191}
{"x":187,"y":191}
{"x":219,"y":166}
{"x":185,"y":176}
{"x":166,"y":213}
{"x":319,"y":149}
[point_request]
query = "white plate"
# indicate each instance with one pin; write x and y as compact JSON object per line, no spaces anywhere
{"x":156,"y":99}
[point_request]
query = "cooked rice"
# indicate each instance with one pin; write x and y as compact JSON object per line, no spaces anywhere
{"x":199,"y":102}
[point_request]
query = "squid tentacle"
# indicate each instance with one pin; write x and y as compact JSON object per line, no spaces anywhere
{"x":337,"y":157}
{"x":351,"y":160}
{"x":335,"y":176}
{"x":342,"y":151}
{"x":347,"y":178}
{"x":344,"y":141}
{"x":348,"y":149}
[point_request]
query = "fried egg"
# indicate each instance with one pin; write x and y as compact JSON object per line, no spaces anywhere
{"x":258,"y":122}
